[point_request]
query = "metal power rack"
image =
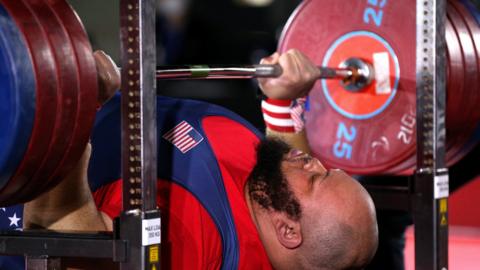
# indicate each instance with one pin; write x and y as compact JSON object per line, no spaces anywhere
{"x":426,"y":193}
{"x":135,"y":242}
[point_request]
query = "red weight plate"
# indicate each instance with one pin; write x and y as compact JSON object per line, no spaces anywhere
{"x":455,"y":75}
{"x":67,"y":92}
{"x":46,"y":85}
{"x":87,"y":98}
{"x":455,"y":90}
{"x":470,"y":96}
{"x":474,"y":95}
{"x":474,"y":30}
{"x":373,"y":130}
{"x":455,"y":78}
{"x":461,"y":100}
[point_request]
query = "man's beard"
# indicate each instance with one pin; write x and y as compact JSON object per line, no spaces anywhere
{"x":267,"y":185}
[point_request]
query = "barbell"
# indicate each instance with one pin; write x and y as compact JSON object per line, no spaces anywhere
{"x":362,"y":121}
{"x":354,"y":73}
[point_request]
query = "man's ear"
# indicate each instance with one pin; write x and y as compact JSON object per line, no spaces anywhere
{"x":288,"y":231}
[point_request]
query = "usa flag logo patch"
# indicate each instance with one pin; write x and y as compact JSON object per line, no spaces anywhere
{"x":184,"y":137}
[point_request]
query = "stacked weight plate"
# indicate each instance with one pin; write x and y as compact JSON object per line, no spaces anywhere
{"x":373,"y":131}
{"x":464,"y":14}
{"x":61,"y":94}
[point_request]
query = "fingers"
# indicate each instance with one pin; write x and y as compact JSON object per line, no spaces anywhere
{"x":291,"y":65}
{"x":299,"y":67}
{"x":299,"y":75}
{"x":270,"y":60}
{"x":108,"y":76}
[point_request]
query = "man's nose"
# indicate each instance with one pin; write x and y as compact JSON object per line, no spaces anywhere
{"x":314,"y":165}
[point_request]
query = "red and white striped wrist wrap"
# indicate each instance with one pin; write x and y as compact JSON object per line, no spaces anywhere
{"x":283,"y":115}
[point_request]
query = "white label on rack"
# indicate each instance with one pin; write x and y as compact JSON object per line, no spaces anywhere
{"x":381,"y":65}
{"x":151,"y":231}
{"x":441,"y":189}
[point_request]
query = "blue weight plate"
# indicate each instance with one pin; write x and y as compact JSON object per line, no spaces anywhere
{"x":45,"y":101}
{"x":17,"y":97}
{"x":473,"y":10}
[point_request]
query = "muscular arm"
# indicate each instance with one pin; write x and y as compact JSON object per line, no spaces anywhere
{"x":68,"y":206}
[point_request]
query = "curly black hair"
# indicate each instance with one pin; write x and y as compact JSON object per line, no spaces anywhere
{"x":267,"y":184}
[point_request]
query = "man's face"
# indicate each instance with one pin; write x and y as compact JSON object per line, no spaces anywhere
{"x":311,"y":182}
{"x":333,"y":209}
{"x":322,"y":192}
{"x":331,"y":200}
{"x":288,"y":180}
{"x":291,"y":181}
{"x":303,"y":173}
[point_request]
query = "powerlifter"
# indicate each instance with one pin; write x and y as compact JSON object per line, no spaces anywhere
{"x":288,"y":211}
